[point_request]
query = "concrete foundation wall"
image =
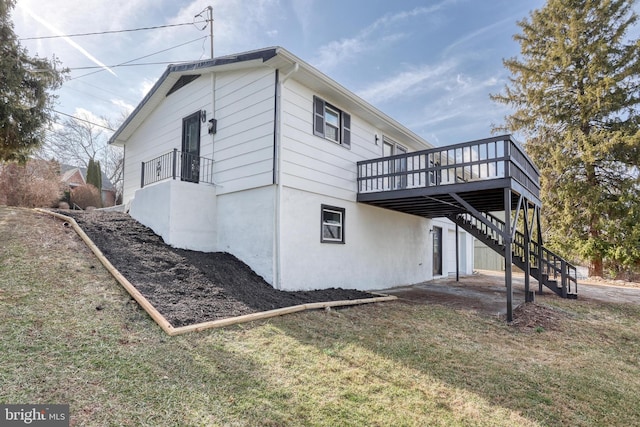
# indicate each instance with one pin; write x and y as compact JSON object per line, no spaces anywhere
{"x":182,"y":213}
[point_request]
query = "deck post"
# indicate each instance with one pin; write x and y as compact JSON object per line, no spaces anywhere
{"x":508,"y":254}
{"x":539,"y":225}
{"x":528,"y":296}
{"x":142,"y":176}
{"x":457,"y":254}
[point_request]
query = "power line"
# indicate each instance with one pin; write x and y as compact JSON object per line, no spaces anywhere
{"x":89,"y":67}
{"x":114,"y":31}
{"x":142,"y":57}
{"x":82,"y":120}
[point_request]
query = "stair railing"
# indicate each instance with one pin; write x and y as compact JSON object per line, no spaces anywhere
{"x":548,"y":262}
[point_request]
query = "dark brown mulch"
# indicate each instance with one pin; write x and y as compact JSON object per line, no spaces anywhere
{"x":189,"y":287}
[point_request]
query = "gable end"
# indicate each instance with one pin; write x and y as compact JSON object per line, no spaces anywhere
{"x":182,"y":81}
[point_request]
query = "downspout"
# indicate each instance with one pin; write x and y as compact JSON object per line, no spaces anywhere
{"x":277,"y":176}
{"x":213,"y":114}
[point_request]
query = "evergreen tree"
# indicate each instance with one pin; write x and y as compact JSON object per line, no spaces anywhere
{"x":94,"y":175}
{"x":575,"y":91}
{"x":25,"y":92}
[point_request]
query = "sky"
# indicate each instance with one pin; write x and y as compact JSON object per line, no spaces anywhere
{"x":429,"y":64}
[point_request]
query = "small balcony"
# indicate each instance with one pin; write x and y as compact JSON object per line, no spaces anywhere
{"x":177,"y":165}
{"x":423,"y":182}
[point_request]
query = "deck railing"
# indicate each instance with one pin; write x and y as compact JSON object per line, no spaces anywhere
{"x":177,"y":165}
{"x":486,"y":159}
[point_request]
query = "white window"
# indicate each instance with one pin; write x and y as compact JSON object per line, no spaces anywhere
{"x":332,"y":224}
{"x":331,"y":123}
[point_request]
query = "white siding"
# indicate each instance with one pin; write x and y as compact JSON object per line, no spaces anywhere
{"x":244,"y":108}
{"x":315,"y":164}
{"x":161,"y":132}
{"x":242,"y":148}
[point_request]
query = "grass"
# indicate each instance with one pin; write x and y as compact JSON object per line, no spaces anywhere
{"x":70,"y":334}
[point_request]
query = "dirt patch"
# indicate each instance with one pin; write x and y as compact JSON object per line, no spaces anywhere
{"x":537,"y":318}
{"x":189,"y":287}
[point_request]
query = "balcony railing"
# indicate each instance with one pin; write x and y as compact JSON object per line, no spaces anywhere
{"x":481,"y":160}
{"x":177,"y":165}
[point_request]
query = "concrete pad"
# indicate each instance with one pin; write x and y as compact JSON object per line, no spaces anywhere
{"x":486,"y":292}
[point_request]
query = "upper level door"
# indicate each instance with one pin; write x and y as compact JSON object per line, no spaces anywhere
{"x":191,"y":148}
{"x":397,"y":166}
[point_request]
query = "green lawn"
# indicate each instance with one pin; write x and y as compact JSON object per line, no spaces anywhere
{"x":70,"y":334}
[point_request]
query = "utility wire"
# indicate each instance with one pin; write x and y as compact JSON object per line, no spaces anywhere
{"x":137,"y":59}
{"x":90,"y":67}
{"x":82,"y":120}
{"x":114,"y":31}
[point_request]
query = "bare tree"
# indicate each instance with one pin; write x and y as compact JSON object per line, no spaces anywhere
{"x":79,"y":140}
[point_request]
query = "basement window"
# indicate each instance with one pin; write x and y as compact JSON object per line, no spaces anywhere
{"x":332,"y":224}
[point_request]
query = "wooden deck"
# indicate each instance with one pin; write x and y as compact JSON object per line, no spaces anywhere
{"x":429,"y":183}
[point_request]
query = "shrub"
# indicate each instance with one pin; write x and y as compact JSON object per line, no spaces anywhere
{"x":35,"y":184}
{"x":85,"y":196}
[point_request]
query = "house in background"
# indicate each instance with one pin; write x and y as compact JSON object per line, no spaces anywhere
{"x":74,"y":176}
{"x":263,"y":156}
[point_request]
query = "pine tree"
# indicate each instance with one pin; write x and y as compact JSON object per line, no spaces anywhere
{"x":25,"y":92}
{"x":575,"y":91}
{"x":94,"y":175}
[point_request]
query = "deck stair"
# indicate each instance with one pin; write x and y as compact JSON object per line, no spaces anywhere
{"x":547,"y":268}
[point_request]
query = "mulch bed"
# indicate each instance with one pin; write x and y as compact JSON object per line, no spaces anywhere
{"x":189,"y":287}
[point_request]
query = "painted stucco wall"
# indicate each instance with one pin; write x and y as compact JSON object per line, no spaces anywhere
{"x":182,"y":213}
{"x":246,"y":228}
{"x":382,"y":248}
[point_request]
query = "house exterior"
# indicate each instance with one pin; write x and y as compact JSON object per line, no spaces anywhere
{"x":74,"y":176}
{"x":257,"y":154}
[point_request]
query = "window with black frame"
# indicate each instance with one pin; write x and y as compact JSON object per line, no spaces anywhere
{"x":332,"y":224}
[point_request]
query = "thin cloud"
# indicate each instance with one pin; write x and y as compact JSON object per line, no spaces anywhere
{"x":367,"y":39}
{"x":474,"y":36}
{"x":424,"y":78}
{"x":465,"y":97}
{"x":125,"y":106}
{"x":66,"y":39}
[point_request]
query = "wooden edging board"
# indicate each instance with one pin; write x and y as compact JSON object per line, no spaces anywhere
{"x":166,"y":326}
